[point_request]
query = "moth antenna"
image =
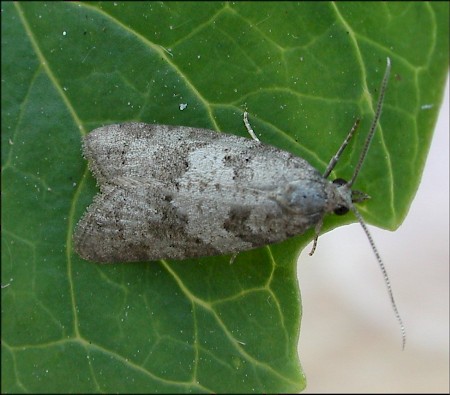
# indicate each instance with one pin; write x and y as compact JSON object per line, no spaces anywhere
{"x":338,"y":154}
{"x":384,"y":272}
{"x":374,"y":122}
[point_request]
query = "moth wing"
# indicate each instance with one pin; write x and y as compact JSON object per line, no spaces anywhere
{"x":177,"y":192}
{"x":138,"y":150}
{"x":126,"y":224}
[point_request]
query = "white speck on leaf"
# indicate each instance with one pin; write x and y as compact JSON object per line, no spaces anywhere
{"x":426,"y":106}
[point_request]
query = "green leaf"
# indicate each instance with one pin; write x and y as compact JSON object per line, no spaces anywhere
{"x":304,"y":71}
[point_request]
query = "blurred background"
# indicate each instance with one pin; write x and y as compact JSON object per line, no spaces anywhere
{"x":350,"y":340}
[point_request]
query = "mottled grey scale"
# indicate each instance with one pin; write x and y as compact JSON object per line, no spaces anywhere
{"x":179,"y":192}
{"x":129,"y":231}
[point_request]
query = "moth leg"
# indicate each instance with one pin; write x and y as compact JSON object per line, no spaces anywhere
{"x":316,"y":237}
{"x":336,"y":157}
{"x":249,"y":128}
{"x":233,"y":257}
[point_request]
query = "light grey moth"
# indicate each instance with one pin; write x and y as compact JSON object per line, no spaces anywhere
{"x":179,"y":192}
{"x":176,"y":192}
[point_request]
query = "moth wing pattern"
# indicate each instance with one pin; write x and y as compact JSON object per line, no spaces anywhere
{"x":180,"y":192}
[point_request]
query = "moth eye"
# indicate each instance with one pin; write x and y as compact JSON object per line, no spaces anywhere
{"x":340,"y":210}
{"x":339,"y":181}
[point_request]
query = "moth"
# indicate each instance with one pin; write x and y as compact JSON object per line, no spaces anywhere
{"x":176,"y":192}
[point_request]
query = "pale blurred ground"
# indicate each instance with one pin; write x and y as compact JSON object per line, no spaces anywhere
{"x":350,"y":341}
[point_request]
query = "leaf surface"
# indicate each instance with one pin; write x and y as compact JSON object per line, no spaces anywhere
{"x":304,"y":72}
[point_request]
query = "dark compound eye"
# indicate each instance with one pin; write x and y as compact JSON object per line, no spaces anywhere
{"x":339,"y":181}
{"x":341,"y":210}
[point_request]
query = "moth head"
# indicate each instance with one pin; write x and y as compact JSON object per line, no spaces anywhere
{"x":355,"y":196}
